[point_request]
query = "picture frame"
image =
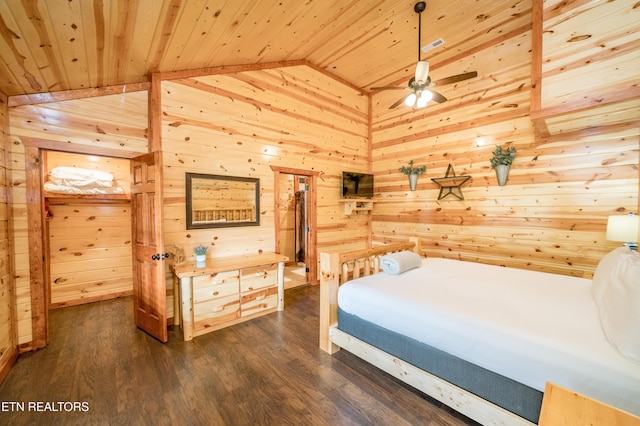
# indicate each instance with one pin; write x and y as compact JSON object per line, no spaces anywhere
{"x":217,"y":201}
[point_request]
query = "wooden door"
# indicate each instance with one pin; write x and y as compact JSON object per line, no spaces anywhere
{"x":149,"y":288}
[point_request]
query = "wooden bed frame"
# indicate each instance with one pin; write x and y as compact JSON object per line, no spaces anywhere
{"x":337,"y":268}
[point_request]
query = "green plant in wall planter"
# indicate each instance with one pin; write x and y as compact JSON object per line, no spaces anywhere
{"x":413,"y":172}
{"x":501,"y":162}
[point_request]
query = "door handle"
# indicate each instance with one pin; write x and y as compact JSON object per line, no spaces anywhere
{"x":159,"y":256}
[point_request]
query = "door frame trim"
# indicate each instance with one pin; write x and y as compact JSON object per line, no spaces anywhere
{"x":312,"y":215}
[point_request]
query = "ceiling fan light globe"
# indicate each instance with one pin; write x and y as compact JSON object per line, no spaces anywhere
{"x":426,"y":96}
{"x":410,"y":100}
{"x":421,"y":102}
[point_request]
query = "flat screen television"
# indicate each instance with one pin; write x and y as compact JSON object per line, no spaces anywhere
{"x":357,"y":185}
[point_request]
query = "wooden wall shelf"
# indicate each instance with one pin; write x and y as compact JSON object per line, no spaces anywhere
{"x":81,"y":198}
{"x":358,"y":205}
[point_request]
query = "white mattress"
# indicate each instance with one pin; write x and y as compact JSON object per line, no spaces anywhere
{"x":530,"y":326}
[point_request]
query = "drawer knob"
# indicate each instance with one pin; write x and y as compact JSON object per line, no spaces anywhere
{"x":215,"y":293}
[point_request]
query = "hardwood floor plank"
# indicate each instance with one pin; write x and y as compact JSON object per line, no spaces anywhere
{"x":262,"y":372}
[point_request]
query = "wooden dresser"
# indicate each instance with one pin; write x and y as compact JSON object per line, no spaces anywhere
{"x":227,"y":291}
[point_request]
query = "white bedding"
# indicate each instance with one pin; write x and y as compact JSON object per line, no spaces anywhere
{"x":78,"y":181}
{"x":530,"y":326}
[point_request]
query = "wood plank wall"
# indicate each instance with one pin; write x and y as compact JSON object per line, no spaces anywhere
{"x":117,"y":121}
{"x":8,"y":340}
{"x":240,"y":124}
{"x":287,"y":216}
{"x":551,"y":216}
{"x":89,"y":240}
{"x":590,"y":48}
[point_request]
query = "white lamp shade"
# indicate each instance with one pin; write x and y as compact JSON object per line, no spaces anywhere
{"x":623,"y":228}
{"x":410,"y":100}
{"x":426,"y":95}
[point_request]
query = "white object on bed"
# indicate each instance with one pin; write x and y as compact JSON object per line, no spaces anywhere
{"x":532,"y":327}
{"x":399,"y":262}
{"x":78,"y":181}
{"x":74,"y":190}
{"x":77,"y":173}
{"x":620,"y":306}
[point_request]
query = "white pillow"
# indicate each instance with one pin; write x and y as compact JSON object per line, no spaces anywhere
{"x":604,"y":270}
{"x":620,"y":307}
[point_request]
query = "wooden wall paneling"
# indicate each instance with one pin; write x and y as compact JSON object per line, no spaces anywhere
{"x":118,"y":128}
{"x":90,"y":255}
{"x":21,"y":245}
{"x":550,"y":216}
{"x":244,"y":123}
{"x":117,"y":122}
{"x":557,"y":186}
{"x":8,"y":326}
{"x":286,"y":220}
{"x":582,"y":57}
{"x":599,"y":62}
{"x":38,"y":291}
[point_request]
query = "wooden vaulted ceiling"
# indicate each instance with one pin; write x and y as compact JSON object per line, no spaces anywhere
{"x":56,"y":45}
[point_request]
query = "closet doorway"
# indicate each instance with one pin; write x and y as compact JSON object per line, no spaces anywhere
{"x":38,"y":240}
{"x":295,"y":218}
{"x":87,"y":229}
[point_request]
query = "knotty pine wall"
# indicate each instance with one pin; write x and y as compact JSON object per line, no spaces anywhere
{"x":551,"y":216}
{"x":117,"y":122}
{"x":287,"y":217}
{"x":241,"y":124}
{"x":89,"y":241}
{"x":7,"y":292}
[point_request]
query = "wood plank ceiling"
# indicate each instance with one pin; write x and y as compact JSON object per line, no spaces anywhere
{"x":54,"y":45}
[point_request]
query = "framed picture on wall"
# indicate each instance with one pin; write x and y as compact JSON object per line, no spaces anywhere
{"x":215,"y":201}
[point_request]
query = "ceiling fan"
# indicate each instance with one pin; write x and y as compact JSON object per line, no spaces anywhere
{"x":421,"y":85}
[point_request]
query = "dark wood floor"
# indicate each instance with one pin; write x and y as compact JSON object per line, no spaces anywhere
{"x":264,"y":372}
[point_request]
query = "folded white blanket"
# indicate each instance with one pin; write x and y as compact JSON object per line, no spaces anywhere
{"x":77,"y":173}
{"x":397,"y":263}
{"x":61,"y":189}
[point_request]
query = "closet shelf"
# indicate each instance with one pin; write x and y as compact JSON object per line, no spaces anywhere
{"x":85,"y":198}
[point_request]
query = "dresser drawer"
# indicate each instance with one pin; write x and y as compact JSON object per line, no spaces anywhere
{"x":217,"y":291}
{"x":258,"y":277}
{"x":227,"y":277}
{"x":258,"y":301}
{"x":217,"y":311}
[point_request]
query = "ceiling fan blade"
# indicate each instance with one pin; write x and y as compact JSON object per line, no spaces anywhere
{"x":399,"y":102}
{"x":422,"y":71}
{"x":389,"y":88}
{"x":457,"y":78}
{"x":437,"y":97}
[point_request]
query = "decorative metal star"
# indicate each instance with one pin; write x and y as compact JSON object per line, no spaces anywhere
{"x":451,"y":184}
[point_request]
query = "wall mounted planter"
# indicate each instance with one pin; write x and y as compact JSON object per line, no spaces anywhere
{"x":502,"y":173}
{"x":413,"y":181}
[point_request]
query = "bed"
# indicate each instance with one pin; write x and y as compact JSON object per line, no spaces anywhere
{"x":482,"y":339}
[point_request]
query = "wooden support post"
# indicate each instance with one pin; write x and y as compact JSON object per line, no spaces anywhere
{"x":329,"y":283}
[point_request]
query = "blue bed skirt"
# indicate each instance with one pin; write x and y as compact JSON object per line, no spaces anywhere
{"x":522,"y":400}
